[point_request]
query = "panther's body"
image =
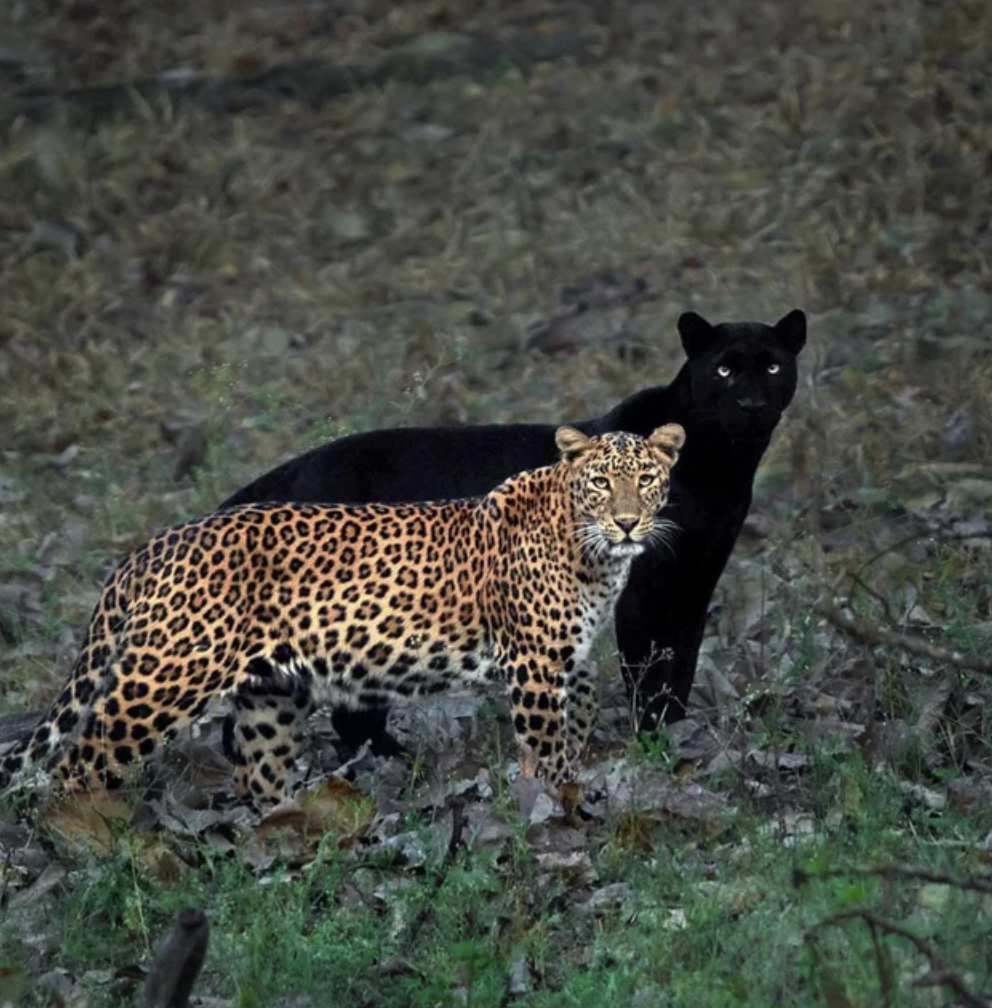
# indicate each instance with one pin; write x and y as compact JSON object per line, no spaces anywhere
{"x":284,"y":606}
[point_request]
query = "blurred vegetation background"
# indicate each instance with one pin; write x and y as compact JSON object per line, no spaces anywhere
{"x":231,"y":230}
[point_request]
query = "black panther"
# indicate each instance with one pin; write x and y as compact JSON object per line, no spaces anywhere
{"x":729,"y":396}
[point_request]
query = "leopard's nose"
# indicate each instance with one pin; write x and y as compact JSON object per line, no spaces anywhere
{"x":626,"y":524}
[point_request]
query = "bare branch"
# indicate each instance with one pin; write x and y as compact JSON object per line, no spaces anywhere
{"x":178,"y":961}
{"x":874,"y":636}
{"x":859,"y":581}
{"x":915,"y":536}
{"x":890,"y":873}
{"x":940,"y":975}
{"x":457,"y":839}
{"x":883,"y":965}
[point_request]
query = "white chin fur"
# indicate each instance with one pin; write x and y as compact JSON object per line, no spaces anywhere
{"x":627,"y":549}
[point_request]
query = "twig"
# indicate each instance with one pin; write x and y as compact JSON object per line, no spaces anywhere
{"x":940,"y":537}
{"x":8,"y":856}
{"x":874,"y":636}
{"x":817,"y":493}
{"x":857,"y":579}
{"x":891,"y":873}
{"x":457,"y":839}
{"x":883,"y":965}
{"x":940,"y":975}
{"x":178,"y":961}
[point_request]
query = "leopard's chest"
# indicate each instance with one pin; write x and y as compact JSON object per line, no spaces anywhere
{"x":600,"y":591}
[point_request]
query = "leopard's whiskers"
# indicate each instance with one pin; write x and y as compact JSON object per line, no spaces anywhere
{"x":664,"y":532}
{"x":592,"y":539}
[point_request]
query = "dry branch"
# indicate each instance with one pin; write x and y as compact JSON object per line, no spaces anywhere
{"x":178,"y":961}
{"x":939,"y":976}
{"x":458,"y":822}
{"x":890,"y":873}
{"x":875,"y":636}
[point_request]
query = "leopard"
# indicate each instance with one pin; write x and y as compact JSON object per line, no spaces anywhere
{"x":284,"y":607}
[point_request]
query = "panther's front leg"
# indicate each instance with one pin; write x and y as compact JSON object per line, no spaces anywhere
{"x":581,"y":712}
{"x":537,"y":706}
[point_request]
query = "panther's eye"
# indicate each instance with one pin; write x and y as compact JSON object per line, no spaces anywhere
{"x":645,"y":479}
{"x":600,"y":482}
{"x":723,"y":371}
{"x":774,"y":368}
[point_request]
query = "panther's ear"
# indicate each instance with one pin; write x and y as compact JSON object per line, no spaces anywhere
{"x":696,"y":333}
{"x":667,"y":441}
{"x":571,"y":443}
{"x":791,"y":331}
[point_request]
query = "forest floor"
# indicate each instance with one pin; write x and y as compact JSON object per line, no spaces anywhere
{"x":197,"y":283}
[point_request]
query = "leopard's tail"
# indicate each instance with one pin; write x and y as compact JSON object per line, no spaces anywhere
{"x":91,"y":678}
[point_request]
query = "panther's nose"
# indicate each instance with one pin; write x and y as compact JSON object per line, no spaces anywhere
{"x":626,"y":524}
{"x":751,"y":404}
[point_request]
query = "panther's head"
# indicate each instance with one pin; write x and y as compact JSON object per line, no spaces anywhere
{"x":743,"y":374}
{"x":619,"y":485}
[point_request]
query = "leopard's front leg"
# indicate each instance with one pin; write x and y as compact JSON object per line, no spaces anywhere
{"x":537,"y":706}
{"x":581,"y":711}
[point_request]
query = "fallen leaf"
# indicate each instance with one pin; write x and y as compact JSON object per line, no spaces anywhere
{"x":533,"y":801}
{"x":518,"y":980}
{"x":52,"y":235}
{"x":90,"y":818}
{"x":654,"y":793}
{"x":292,"y":830}
{"x":610,"y":897}
{"x":63,"y":988}
{"x":160,"y":861}
{"x":50,"y":879}
{"x":341,"y":225}
{"x":575,"y":867}
{"x":13,"y":980}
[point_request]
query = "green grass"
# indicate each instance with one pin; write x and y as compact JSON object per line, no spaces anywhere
{"x":714,"y":922}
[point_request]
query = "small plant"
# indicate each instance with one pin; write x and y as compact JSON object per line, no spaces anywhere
{"x":653,"y":748}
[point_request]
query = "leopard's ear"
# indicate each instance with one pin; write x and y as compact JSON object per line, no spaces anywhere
{"x":791,"y":330}
{"x":571,"y":443}
{"x":696,"y":333}
{"x":667,"y":441}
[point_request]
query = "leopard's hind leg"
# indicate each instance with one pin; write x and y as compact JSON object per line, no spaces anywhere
{"x":156,"y":684}
{"x":265,"y":733}
{"x":91,"y":677}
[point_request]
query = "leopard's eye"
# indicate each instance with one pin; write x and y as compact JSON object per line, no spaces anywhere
{"x":600,"y":482}
{"x":645,"y":479}
{"x":774,"y":368}
{"x":723,"y":371}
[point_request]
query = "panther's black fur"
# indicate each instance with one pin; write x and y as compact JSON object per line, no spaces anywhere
{"x":729,"y":396}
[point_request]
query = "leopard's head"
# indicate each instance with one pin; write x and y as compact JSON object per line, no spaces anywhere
{"x":619,"y":484}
